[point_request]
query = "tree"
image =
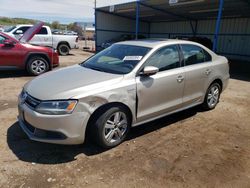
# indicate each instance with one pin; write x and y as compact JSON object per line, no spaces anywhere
{"x":70,"y":26}
{"x":76,"y":28}
{"x":55,"y":25}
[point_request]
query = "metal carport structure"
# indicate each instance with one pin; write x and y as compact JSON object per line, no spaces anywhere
{"x":225,"y":22}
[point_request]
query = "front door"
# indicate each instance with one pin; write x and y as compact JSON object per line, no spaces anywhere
{"x":161,"y":93}
{"x":11,"y":55}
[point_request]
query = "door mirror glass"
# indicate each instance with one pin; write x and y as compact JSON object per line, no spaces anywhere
{"x":149,"y":70}
{"x":8,"y":42}
{"x":19,"y":32}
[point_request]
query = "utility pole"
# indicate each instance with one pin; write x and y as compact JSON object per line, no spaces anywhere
{"x":95,"y":37}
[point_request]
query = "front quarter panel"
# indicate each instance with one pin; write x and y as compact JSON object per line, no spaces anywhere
{"x":123,"y":92}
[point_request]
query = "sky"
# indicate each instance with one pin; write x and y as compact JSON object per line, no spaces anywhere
{"x":64,"y":11}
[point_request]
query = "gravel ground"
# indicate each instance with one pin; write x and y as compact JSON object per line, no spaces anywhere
{"x":188,"y":149}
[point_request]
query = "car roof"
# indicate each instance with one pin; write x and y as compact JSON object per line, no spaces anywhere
{"x":152,"y":43}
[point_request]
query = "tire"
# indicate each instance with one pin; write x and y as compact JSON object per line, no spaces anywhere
{"x":37,"y":65}
{"x":63,"y":49}
{"x":212,"y":96}
{"x":106,"y":131}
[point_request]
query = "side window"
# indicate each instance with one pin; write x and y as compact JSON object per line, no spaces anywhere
{"x":194,"y":54}
{"x":1,"y":39}
{"x":166,"y":58}
{"x":208,"y":57}
{"x":24,"y":29}
{"x":43,"y":31}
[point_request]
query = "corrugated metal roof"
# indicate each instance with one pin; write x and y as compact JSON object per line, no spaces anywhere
{"x":162,"y":10}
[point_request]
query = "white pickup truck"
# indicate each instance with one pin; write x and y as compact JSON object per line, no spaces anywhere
{"x":63,"y":43}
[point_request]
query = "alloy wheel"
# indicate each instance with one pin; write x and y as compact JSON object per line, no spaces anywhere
{"x":115,"y":127}
{"x":38,"y":66}
{"x":213,"y":96}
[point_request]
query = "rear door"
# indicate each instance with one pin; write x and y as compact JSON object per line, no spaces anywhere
{"x":197,"y":73}
{"x":161,"y":93}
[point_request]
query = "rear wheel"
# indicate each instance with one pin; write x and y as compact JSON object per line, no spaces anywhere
{"x":111,"y":127}
{"x":63,"y":49}
{"x":212,"y":96}
{"x":37,"y":65}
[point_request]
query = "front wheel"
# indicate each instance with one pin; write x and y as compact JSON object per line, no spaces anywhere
{"x":212,"y":96}
{"x":111,"y":127}
{"x":37,"y":65}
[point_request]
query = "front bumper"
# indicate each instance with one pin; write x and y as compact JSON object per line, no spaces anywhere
{"x":57,"y":129}
{"x":55,"y":60}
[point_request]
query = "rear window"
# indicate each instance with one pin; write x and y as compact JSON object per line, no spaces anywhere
{"x":194,"y":54}
{"x":43,"y":31}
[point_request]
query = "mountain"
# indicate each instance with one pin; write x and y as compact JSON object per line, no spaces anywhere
{"x":14,"y":21}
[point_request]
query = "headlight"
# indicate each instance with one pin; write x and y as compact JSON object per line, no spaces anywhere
{"x":56,"y":107}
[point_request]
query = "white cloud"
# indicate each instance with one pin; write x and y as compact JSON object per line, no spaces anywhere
{"x":49,"y":10}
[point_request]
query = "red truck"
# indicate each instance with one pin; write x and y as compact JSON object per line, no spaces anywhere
{"x":18,"y":54}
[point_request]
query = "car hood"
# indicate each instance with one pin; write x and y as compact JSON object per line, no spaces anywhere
{"x":69,"y":83}
{"x":29,"y":34}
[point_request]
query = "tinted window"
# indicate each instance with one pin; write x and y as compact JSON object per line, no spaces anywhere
{"x":43,"y":31}
{"x":194,"y":54}
{"x":24,"y":29}
{"x":117,"y":59}
{"x":1,"y":39}
{"x":166,"y":58}
{"x":208,"y":57}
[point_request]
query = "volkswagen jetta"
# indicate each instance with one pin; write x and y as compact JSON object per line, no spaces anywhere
{"x":125,"y":85}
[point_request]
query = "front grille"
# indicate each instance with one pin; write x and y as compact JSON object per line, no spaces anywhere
{"x":31,"y":101}
{"x":44,"y":134}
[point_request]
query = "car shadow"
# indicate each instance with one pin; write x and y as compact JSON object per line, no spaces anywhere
{"x":13,"y":74}
{"x":42,"y":153}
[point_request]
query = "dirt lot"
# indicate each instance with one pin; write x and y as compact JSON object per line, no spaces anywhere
{"x":189,"y":149}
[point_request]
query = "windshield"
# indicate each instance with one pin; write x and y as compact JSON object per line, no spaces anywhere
{"x":9,"y":29}
{"x":117,"y":59}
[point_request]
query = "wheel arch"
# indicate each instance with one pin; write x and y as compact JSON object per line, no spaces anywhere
{"x":102,"y":108}
{"x":63,"y":42}
{"x":217,"y":80}
{"x":43,"y":55}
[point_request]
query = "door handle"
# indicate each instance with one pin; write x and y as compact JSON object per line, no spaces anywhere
{"x":180,"y":78}
{"x":208,"y":71}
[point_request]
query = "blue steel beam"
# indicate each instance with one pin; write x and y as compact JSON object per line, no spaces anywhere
{"x":217,"y":29}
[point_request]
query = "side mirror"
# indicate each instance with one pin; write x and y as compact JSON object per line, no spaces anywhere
{"x":149,"y":70}
{"x":19,"y":32}
{"x":8,"y":43}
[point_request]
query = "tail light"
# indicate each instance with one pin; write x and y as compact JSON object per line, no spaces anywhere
{"x":77,"y":38}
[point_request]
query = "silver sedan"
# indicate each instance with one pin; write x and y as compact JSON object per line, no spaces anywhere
{"x":123,"y":86}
